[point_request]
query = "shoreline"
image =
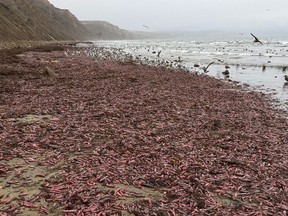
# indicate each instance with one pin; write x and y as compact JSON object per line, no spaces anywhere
{"x":96,"y":136}
{"x":261,"y":67}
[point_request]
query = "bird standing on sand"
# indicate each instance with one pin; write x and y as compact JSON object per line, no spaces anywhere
{"x":256,"y":40}
{"x":226,"y":72}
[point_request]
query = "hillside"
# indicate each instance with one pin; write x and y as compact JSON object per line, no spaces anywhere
{"x":105,"y":30}
{"x":38,"y":20}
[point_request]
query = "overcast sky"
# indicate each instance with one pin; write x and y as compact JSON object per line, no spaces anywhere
{"x":184,"y":15}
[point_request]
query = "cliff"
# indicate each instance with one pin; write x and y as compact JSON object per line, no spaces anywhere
{"x":107,"y":31}
{"x":38,"y":20}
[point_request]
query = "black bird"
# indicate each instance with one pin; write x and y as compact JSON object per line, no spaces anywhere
{"x":226,"y":72}
{"x":256,"y":40}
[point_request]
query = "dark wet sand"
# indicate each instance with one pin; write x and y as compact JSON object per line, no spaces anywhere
{"x":95,"y":136}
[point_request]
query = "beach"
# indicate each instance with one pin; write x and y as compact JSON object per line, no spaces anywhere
{"x":81,"y":135}
{"x":262,"y":67}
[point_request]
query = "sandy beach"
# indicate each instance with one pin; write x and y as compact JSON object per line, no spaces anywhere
{"x":85,"y":136}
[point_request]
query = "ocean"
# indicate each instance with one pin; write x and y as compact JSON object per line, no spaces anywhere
{"x":260,"y":67}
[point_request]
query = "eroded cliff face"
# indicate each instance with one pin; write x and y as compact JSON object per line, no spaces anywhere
{"x":38,"y":20}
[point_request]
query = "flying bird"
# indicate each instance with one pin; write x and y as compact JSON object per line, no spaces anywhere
{"x":145,"y":26}
{"x":256,"y":40}
{"x":206,"y":68}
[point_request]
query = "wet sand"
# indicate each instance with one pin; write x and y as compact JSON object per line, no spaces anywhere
{"x":91,"y":136}
{"x":269,"y":81}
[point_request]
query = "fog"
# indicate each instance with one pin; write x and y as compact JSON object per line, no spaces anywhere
{"x":184,"y":15}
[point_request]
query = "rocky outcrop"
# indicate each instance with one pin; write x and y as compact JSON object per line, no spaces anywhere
{"x":38,"y":20}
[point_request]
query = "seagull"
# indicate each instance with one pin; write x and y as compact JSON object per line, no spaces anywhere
{"x":256,"y":40}
{"x":206,"y":68}
{"x":220,"y":60}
